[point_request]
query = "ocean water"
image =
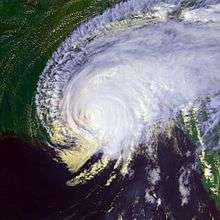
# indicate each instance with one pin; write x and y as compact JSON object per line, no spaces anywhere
{"x":114,"y":83}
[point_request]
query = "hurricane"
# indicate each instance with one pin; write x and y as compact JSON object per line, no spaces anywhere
{"x":110,"y":109}
{"x":127,"y":74}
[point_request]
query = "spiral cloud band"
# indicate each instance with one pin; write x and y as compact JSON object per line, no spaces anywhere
{"x":122,"y":72}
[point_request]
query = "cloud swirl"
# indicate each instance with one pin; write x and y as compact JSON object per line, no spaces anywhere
{"x":117,"y":75}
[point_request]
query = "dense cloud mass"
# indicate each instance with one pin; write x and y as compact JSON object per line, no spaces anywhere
{"x":122,"y":73}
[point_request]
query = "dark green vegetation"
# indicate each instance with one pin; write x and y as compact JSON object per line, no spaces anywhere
{"x":30,"y":31}
{"x":209,"y":160}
